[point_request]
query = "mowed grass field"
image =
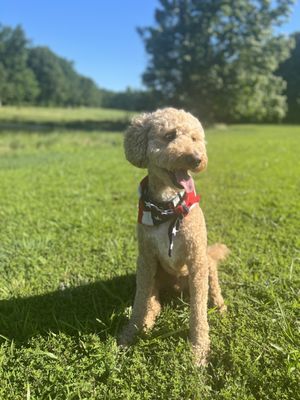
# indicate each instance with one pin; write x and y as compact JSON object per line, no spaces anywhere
{"x":68,"y":205}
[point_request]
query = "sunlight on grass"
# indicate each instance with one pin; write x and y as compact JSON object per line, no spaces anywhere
{"x":67,"y":261}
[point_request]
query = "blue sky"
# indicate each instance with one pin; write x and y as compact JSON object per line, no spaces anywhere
{"x":98,"y":35}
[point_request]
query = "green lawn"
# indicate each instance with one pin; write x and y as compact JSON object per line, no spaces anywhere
{"x":67,"y":261}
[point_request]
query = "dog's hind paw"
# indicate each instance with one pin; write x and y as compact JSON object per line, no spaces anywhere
{"x":222,"y":309}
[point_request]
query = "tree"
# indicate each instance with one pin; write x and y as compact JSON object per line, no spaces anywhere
{"x":3,"y":83}
{"x":49,"y":75}
{"x":290,"y":72}
{"x":90,"y":94}
{"x":17,"y":82}
{"x":59,"y":83}
{"x":217,"y":58}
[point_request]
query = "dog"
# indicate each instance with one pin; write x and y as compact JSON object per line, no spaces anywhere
{"x":171,"y":231}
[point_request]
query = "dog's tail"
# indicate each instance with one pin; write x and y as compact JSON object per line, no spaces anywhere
{"x":216,"y":253}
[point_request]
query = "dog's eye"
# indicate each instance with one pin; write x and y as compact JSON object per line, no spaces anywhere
{"x":171,"y":135}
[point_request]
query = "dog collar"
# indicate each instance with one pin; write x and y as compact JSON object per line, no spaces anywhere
{"x":154,"y":213}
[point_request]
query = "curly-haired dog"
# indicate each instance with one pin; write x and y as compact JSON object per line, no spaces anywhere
{"x":171,"y":230}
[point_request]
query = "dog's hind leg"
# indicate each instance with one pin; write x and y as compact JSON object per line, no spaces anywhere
{"x":216,"y":253}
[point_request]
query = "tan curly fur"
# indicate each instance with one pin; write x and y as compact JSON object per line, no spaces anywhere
{"x":192,"y":264}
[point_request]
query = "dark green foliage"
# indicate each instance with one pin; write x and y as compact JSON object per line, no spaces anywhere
{"x":36,"y":75}
{"x":50,"y":76}
{"x":290,"y":72}
{"x":90,"y":94}
{"x":59,"y":83}
{"x":217,"y":58}
{"x":134,"y":100}
{"x":17,"y":82}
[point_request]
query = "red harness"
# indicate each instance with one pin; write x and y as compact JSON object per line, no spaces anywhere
{"x":153,"y":213}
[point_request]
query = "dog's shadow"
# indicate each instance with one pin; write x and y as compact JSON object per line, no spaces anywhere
{"x":98,"y":307}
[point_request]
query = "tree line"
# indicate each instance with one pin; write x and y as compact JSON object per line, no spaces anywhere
{"x":219,"y":59}
{"x":36,"y":75}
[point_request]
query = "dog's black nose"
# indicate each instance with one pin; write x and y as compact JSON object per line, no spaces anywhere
{"x":193,"y":160}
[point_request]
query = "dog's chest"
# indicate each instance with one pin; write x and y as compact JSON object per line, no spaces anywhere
{"x":161,"y":243}
{"x":156,"y":241}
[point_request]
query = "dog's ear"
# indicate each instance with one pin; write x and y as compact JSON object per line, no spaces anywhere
{"x":136,"y":139}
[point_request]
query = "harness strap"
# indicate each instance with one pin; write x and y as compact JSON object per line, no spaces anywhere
{"x":151,"y":213}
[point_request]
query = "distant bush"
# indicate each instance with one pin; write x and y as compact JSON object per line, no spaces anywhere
{"x":131,"y":100}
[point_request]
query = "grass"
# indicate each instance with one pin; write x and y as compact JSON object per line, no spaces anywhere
{"x":67,"y":262}
{"x":58,"y":115}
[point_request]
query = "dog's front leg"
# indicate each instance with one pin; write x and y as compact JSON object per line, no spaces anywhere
{"x":198,"y":285}
{"x":146,"y":305}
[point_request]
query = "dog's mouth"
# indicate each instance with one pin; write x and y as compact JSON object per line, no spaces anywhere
{"x":182,"y":180}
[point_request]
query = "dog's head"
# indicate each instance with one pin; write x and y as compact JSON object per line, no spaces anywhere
{"x":169,"y":142}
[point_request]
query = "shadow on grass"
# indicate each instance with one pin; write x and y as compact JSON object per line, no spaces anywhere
{"x":49,"y":126}
{"x":93,"y":308}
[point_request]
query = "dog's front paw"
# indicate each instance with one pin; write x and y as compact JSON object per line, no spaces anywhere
{"x":127,"y":335}
{"x":200,"y":355}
